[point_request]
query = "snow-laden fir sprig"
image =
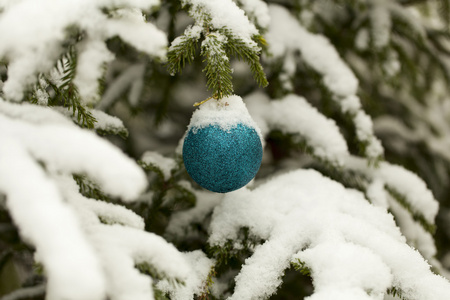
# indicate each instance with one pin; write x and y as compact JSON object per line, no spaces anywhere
{"x":295,"y":116}
{"x":36,"y":141}
{"x":102,"y":244}
{"x":397,"y":190}
{"x":66,"y":92}
{"x":353,"y":249}
{"x":31,"y":49}
{"x":320,"y":55}
{"x":226,"y":31}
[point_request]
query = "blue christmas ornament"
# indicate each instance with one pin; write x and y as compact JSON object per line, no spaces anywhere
{"x":222,"y":150}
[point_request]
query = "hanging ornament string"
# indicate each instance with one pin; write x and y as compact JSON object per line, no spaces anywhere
{"x":222,"y":150}
{"x":201,"y":102}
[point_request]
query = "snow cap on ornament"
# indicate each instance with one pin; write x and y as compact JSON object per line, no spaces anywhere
{"x":222,"y":150}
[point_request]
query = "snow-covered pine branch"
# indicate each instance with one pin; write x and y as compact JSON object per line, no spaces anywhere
{"x":320,"y":55}
{"x":35,"y":49}
{"x":354,"y":249}
{"x":225,"y":31}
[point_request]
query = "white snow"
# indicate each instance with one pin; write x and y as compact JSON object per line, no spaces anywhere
{"x":120,"y":247}
{"x":49,"y":224}
{"x":347,"y":269}
{"x":132,"y":32}
{"x":294,"y":115}
{"x":108,"y":212}
{"x":180,"y":222}
{"x":105,"y":164}
{"x":285,"y":32}
{"x":129,"y":78}
{"x":107,"y":122}
{"x":286,"y":35}
{"x":165,"y":164}
{"x":226,"y":113}
{"x":257,"y":9}
{"x":32,"y":113}
{"x":362,"y":39}
{"x":402,"y":181}
{"x":225,"y":14}
{"x":377,"y":194}
{"x":194,"y":284}
{"x":381,"y":23}
{"x":415,"y":234}
{"x":90,"y":67}
{"x":304,"y":215}
{"x":191,"y":32}
{"x":34,"y":47}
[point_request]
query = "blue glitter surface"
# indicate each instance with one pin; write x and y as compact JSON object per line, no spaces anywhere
{"x":222,"y":161}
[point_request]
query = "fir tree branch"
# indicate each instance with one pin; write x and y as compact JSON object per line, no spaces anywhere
{"x":67,"y":92}
{"x":396,"y":292}
{"x":208,"y":284}
{"x":236,"y":47}
{"x":180,"y":53}
{"x":218,"y":69}
{"x":301,"y":267}
{"x":89,"y":189}
{"x":431,"y":228}
{"x":444,"y":12}
{"x":148,"y":269}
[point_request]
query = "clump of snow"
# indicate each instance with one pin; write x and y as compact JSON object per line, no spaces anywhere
{"x":377,"y":194}
{"x":346,"y":268}
{"x":93,"y":57}
{"x":32,"y":113}
{"x":64,"y":226}
{"x":133,"y":30}
{"x":51,"y":143}
{"x":350,"y":104}
{"x":107,"y":122}
{"x":257,"y":9}
{"x":180,"y":222}
{"x":362,"y":39}
{"x":191,"y":32}
{"x":303,"y":215}
{"x":294,"y":115}
{"x":225,"y":14}
{"x":286,"y":35}
{"x":415,"y":234}
{"x":103,"y":121}
{"x":226,"y":113}
{"x":165,"y":164}
{"x":392,"y":65}
{"x":194,"y":284}
{"x":381,"y":23}
{"x":120,"y":247}
{"x":364,"y":132}
{"x":130,"y":78}
{"x":48,"y":223}
{"x":402,"y":181}
{"x":33,"y":48}
{"x":285,"y":32}
{"x":109,"y":212}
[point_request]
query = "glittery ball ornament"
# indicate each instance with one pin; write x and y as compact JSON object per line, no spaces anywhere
{"x":222,"y":149}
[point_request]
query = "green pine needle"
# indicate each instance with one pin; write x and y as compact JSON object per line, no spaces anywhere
{"x":182,"y":52}
{"x":67,"y":92}
{"x":301,"y":267}
{"x":218,"y":69}
{"x":237,"y":47}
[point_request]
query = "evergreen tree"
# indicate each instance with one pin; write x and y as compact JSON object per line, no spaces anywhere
{"x":352,"y":107}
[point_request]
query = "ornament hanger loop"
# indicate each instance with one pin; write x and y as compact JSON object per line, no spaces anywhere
{"x":201,"y":102}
